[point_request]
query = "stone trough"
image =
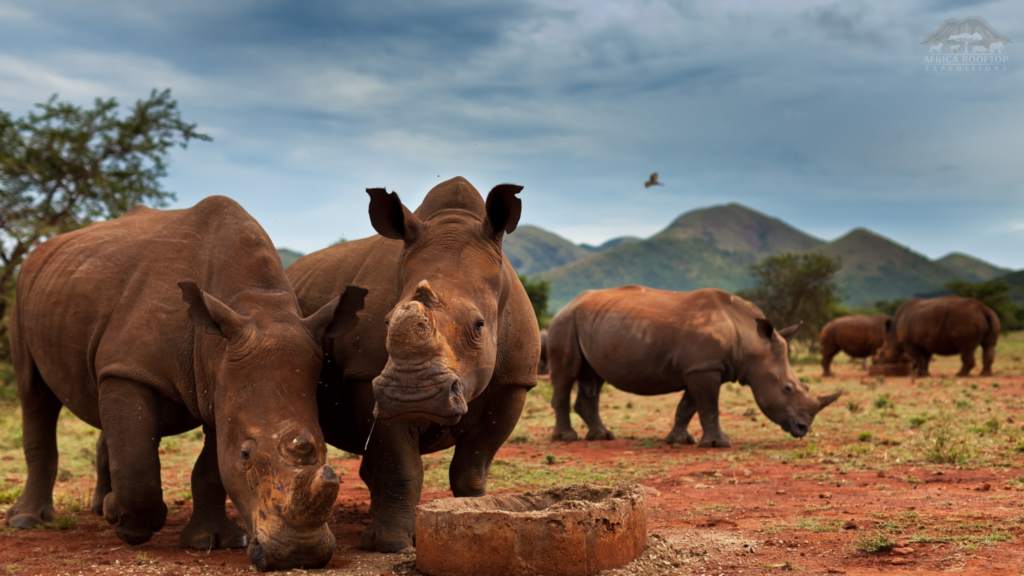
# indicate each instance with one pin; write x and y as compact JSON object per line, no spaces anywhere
{"x":576,"y":530}
{"x":893,"y":369}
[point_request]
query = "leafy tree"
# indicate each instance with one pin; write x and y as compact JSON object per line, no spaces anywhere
{"x":538,"y":291}
{"x":889,"y":306}
{"x":793,"y":287}
{"x":64,"y":166}
{"x":995,"y":294}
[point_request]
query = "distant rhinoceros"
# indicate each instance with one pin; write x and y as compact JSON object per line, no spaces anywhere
{"x":542,"y":365}
{"x":945,"y":326}
{"x":447,"y":349}
{"x":858,"y":335}
{"x":100,"y":326}
{"x":652,"y":342}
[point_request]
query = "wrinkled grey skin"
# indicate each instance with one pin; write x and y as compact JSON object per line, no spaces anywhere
{"x":651,"y":342}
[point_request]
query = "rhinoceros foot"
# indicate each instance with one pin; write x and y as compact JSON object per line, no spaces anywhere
{"x":134,"y":528}
{"x":27,"y":514}
{"x":677,"y":436}
{"x":715,"y":440}
{"x":209,"y":534}
{"x":565,"y":435}
{"x":386,"y":539}
{"x":600,"y":434}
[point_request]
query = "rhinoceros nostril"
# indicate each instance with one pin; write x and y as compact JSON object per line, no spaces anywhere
{"x":456,"y":389}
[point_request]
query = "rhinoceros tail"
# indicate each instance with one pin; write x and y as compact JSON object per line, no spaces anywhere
{"x":994,"y":327}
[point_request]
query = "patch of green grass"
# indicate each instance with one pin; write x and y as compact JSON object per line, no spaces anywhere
{"x":873,"y":543}
{"x":884,"y":402}
{"x":10,"y":495}
{"x":814,"y":524}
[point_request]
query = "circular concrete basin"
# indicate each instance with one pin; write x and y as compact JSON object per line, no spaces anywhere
{"x":576,"y":530}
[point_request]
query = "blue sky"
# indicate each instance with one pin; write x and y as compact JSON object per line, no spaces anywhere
{"x":819,"y":113}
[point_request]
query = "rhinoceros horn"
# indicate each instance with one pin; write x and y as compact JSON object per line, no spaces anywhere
{"x":826,"y":400}
{"x":788,"y":332}
{"x":312,"y":497}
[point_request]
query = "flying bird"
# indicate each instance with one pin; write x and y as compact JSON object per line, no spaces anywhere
{"x":652,"y":181}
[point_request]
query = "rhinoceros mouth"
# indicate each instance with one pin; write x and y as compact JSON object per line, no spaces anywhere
{"x":437,"y":395}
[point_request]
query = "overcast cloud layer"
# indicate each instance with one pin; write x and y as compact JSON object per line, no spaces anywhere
{"x":820,"y":113}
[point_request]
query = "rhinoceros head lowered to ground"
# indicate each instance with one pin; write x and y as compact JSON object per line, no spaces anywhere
{"x":265,"y":360}
{"x":779,"y":393}
{"x":442,"y":335}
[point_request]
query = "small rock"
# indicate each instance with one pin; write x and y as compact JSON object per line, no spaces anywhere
{"x":902,"y":551}
{"x":747,"y":472}
{"x":701,"y":486}
{"x":652,"y":492}
{"x":179,"y":501}
{"x":825,"y":496}
{"x":780,"y":492}
{"x":901,"y":544}
{"x":985,"y":487}
{"x":938,"y":473}
{"x":850,"y":524}
{"x":1007,"y":487}
{"x":8,"y":457}
{"x":881,"y":473}
{"x":898,"y":561}
{"x":11,"y":479}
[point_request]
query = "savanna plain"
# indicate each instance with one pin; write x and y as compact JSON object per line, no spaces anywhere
{"x":901,"y":475}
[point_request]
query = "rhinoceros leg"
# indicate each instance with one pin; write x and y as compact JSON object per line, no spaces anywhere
{"x":39,"y":411}
{"x":475,"y":449}
{"x":103,"y":486}
{"x":209,"y":527}
{"x":561,"y":398}
{"x":967,"y":362}
{"x":684,"y":413}
{"x":920,"y":357}
{"x":393,"y":470}
{"x":130,"y":414}
{"x":988,"y":356}
{"x":705,"y":387}
{"x":588,"y":402}
{"x":827,"y":353}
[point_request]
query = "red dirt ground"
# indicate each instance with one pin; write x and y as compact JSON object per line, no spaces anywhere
{"x":728,"y":537}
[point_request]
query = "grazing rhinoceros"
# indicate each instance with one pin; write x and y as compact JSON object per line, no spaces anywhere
{"x":542,"y":365}
{"x":858,"y":335}
{"x":99,"y":326}
{"x":947,"y":325}
{"x":444,"y":356}
{"x":652,"y":342}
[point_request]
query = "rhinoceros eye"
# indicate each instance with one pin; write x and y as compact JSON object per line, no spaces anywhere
{"x":248,"y":450}
{"x":479,"y":325}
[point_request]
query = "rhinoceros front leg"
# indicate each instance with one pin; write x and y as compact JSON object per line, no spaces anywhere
{"x":130,"y":415}
{"x":393,"y":471}
{"x":684,"y":413}
{"x":704,"y":387}
{"x":209,"y":527}
{"x":103,"y":486}
{"x":475,"y":449}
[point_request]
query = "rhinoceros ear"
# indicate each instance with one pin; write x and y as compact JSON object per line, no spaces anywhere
{"x":503,"y":209}
{"x":888,"y":325}
{"x":338,"y":317}
{"x":210,"y":313}
{"x":389,"y":217}
{"x":765,"y":328}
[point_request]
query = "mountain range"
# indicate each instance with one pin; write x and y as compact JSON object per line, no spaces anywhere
{"x":715,"y":246}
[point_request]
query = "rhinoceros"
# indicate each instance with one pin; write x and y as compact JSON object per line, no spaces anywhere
{"x":947,"y":325}
{"x":158,"y":322}
{"x":445,"y":354}
{"x":542,"y":365}
{"x":858,"y":335}
{"x":651,"y":342}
